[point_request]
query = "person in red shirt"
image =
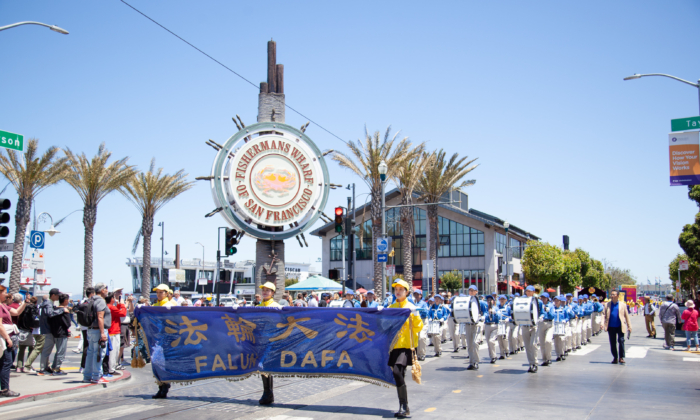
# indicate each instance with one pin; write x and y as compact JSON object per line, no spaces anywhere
{"x":690,"y":326}
{"x":118,"y":310}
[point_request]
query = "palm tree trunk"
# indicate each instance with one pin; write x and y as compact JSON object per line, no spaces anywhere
{"x":147,"y":227}
{"x":22,"y":216}
{"x":434,"y":241}
{"x":376,"y":210}
{"x":407,"y":241}
{"x":89,"y":221}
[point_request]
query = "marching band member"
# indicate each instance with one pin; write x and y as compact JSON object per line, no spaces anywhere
{"x":371,"y":302}
{"x":545,"y":329}
{"x":578,"y":309}
{"x":505,"y":313}
{"x":401,"y":357}
{"x":422,"y":309}
{"x":445,"y":304}
{"x":491,"y":318}
{"x":520,"y":342}
{"x":597,"y":318}
{"x":268,"y":301}
{"x":574,"y":320}
{"x":437,"y":313}
{"x":453,"y":325}
{"x":513,"y":330}
{"x":530,"y":335}
{"x":587,"y":329}
{"x":472,"y":347}
{"x":560,"y":313}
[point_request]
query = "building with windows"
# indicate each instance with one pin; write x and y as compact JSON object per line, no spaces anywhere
{"x":471,"y":242}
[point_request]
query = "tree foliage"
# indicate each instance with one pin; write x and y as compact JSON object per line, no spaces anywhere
{"x":571,"y":277}
{"x":594,"y":275}
{"x":542,"y":263}
{"x":689,"y":277}
{"x":451,"y":281}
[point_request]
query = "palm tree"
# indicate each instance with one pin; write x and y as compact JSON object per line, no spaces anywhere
{"x":364,"y":159}
{"x":407,"y":177}
{"x":93,"y":179}
{"x":30,"y":173}
{"x":149,"y":192}
{"x":441,"y":177}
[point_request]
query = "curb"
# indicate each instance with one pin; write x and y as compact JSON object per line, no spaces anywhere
{"x":126,"y":375}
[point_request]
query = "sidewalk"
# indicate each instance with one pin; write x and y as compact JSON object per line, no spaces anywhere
{"x":33,"y":387}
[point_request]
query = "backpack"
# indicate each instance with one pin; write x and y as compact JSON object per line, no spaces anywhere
{"x":29,"y":318}
{"x":86,"y":313}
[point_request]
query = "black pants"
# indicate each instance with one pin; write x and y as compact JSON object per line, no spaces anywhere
{"x":399,"y":372}
{"x":617,"y":339}
{"x":5,"y":364}
{"x":85,"y":348}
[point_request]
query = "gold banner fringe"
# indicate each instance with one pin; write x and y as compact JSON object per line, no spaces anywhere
{"x":360,"y":378}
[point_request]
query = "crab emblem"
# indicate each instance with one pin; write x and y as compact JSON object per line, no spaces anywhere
{"x":280,"y":181}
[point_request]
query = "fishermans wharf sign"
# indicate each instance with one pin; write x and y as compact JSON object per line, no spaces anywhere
{"x":270,"y":180}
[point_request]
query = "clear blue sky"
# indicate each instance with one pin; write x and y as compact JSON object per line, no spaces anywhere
{"x":534,"y":90}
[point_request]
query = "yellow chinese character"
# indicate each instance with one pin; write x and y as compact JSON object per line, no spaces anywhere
{"x":242,"y":329}
{"x":361,"y":333}
{"x":189,"y":328}
{"x":291,"y":323}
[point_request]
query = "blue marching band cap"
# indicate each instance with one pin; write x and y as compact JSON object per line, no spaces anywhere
{"x":489,"y":297}
{"x":545,"y":294}
{"x":462,"y":295}
{"x":516,"y":295}
{"x":472,"y":287}
{"x":431,"y":300}
{"x":530,"y":288}
{"x":569,"y":295}
{"x":585,"y":296}
{"x":594,"y":296}
{"x":558,"y":297}
{"x":580,"y":298}
{"x":501,"y":296}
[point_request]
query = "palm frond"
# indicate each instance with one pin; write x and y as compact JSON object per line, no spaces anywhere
{"x":139,"y":234}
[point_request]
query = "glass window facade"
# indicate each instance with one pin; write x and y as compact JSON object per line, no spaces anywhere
{"x":516,"y":248}
{"x":500,"y":243}
{"x":458,"y":240}
{"x":475,"y":277}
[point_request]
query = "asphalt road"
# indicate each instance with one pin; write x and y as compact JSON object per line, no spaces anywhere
{"x":654,"y":383}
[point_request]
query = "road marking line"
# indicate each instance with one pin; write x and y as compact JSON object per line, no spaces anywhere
{"x":113,"y":413}
{"x":282,"y":417}
{"x":430,"y":410}
{"x":585,"y":350}
{"x":480,"y":376}
{"x":636,"y":352}
{"x":691,"y":359}
{"x":456,"y":391}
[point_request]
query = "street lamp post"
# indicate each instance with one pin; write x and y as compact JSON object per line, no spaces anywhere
{"x":52,"y":27}
{"x":695,"y":85}
{"x":52,"y":231}
{"x":507,"y":276}
{"x":197,"y":243}
{"x":162,"y":249}
{"x":383,"y":169}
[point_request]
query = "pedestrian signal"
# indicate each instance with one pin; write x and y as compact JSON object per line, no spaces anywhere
{"x":339,"y":219}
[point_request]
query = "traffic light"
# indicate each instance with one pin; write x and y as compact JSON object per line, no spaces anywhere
{"x":339,"y":219}
{"x":4,"y":264}
{"x":231,"y":241}
{"x":4,"y":217}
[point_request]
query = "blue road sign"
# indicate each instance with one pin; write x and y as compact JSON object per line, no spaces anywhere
{"x":383,"y":244}
{"x":36,"y":239}
{"x":382,"y":257}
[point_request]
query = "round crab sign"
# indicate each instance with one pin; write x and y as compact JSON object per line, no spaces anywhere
{"x":269,"y":179}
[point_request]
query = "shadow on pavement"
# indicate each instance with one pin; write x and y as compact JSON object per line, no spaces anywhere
{"x":510,"y":371}
{"x":452,"y":369}
{"x":387,"y":414}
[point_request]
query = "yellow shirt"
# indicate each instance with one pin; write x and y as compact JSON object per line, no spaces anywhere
{"x":164,"y":302}
{"x":270,"y":303}
{"x":404,"y":339}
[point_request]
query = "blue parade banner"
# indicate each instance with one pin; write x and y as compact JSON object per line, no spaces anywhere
{"x":187,"y":343}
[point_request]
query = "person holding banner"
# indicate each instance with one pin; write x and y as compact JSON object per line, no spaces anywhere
{"x":268,"y":301}
{"x":163,"y":299}
{"x":402,"y":355}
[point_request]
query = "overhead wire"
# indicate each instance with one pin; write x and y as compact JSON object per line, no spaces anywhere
{"x":229,"y":69}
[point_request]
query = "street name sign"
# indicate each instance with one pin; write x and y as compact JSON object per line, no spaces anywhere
{"x":683,"y":265}
{"x":11,"y":141}
{"x":5,"y":247}
{"x":685,"y":124}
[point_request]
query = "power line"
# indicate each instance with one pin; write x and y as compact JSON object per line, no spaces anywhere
{"x":229,"y":69}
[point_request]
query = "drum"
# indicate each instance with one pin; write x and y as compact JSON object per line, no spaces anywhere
{"x":525,"y":311}
{"x":463,"y":329}
{"x":466,"y":309}
{"x":433,"y":327}
{"x":502,"y":328}
{"x":559,"y":328}
{"x":336,"y":304}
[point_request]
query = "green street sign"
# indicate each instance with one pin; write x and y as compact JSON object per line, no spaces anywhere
{"x":11,"y":141}
{"x":685,"y":124}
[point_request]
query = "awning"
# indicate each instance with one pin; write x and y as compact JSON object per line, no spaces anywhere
{"x":550,"y":290}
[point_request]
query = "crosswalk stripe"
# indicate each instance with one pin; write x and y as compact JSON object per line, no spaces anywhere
{"x":691,"y":359}
{"x":585,"y":350}
{"x":636,"y":352}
